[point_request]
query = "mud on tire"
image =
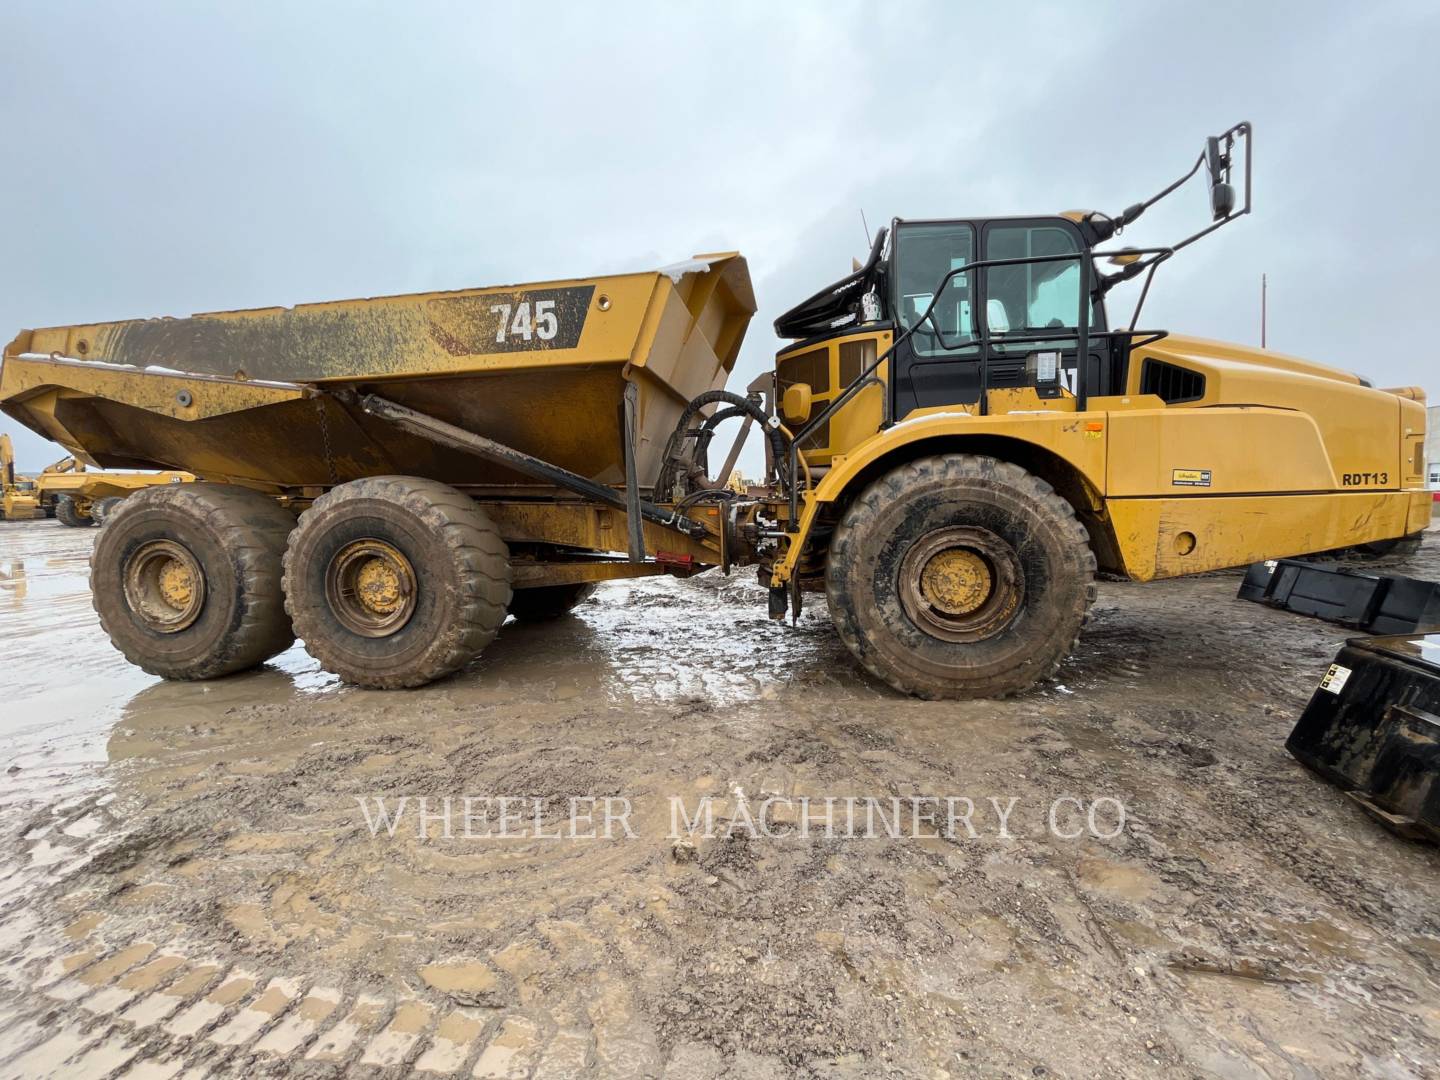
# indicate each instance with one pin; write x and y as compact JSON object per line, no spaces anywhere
{"x":395,"y":581}
{"x":67,"y":511}
{"x":142,"y":583}
{"x":1014,"y":557}
{"x":548,"y":601}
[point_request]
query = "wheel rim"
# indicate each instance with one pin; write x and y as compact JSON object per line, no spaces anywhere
{"x":371,"y":588}
{"x":164,"y":586}
{"x":961,"y":583}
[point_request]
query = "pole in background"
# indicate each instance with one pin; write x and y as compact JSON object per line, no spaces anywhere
{"x":1264,"y":287}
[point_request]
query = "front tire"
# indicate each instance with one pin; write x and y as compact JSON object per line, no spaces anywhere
{"x":395,"y":581}
{"x":186,"y":580}
{"x":960,"y":576}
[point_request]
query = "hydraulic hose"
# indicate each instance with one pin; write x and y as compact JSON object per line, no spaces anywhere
{"x":707,"y":433}
{"x":739,"y":405}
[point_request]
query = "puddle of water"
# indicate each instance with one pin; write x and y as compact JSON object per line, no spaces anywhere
{"x":650,"y":640}
{"x":661,"y":640}
{"x":62,"y":683}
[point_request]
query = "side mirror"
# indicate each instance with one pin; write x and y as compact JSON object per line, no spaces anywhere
{"x":1222,"y":193}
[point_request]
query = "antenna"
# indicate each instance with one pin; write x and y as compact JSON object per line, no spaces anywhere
{"x":1264,"y":288}
{"x":867,"y":226}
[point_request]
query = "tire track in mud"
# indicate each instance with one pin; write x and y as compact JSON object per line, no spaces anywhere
{"x":236,"y":916}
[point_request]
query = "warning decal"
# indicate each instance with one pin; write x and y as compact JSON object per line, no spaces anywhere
{"x":1335,"y":679}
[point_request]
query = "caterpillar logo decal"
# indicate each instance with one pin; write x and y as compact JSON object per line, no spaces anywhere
{"x":1190,"y":477}
{"x":1365,"y":479}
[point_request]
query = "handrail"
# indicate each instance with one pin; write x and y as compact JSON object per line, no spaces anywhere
{"x":1082,"y":333}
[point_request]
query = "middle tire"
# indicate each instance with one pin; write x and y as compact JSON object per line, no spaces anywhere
{"x":395,"y":581}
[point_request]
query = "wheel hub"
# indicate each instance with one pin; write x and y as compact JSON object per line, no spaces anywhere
{"x":371,"y":587}
{"x":164,"y":586}
{"x":961,"y":583}
{"x":956,"y":580}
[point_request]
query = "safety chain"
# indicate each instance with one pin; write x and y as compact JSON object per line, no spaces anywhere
{"x":325,"y":435}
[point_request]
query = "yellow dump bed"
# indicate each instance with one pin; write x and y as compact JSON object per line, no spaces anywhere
{"x":267,"y":396}
{"x":103,"y":485}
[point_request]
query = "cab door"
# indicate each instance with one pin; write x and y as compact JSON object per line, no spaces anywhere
{"x":1019,"y":303}
{"x":931,"y":368}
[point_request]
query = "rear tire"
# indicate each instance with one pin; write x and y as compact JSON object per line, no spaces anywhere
{"x":103,"y":508}
{"x":548,"y":601}
{"x":186,"y":579}
{"x":68,"y":513}
{"x":960,"y":576}
{"x":396,"y":581}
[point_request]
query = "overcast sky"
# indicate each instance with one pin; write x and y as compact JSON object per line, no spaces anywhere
{"x":170,"y":158}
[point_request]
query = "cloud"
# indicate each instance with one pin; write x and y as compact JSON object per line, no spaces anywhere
{"x":170,"y":159}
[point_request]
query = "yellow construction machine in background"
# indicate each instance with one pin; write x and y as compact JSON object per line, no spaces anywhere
{"x":18,"y":498}
{"x":69,"y":491}
{"x":79,"y":497}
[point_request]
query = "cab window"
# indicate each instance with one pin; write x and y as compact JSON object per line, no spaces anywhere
{"x":1035,"y":296}
{"x":924,"y":254}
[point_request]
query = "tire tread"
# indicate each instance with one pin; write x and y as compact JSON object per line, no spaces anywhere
{"x":254,"y":528}
{"x":476,"y":545}
{"x":894,"y":484}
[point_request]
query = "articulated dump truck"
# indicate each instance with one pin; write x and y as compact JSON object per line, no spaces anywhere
{"x":957,"y":437}
{"x":67,"y":490}
{"x":80,"y":497}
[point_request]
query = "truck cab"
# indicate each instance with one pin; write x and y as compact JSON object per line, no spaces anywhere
{"x":1178,"y":454}
{"x":990,"y":321}
{"x":1011,"y":322}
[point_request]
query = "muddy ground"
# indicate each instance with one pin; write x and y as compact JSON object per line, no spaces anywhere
{"x":190,"y":884}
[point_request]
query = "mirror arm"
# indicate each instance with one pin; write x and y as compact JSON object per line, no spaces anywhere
{"x":1133,"y":212}
{"x":1228,"y":138}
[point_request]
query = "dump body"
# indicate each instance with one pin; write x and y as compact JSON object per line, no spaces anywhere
{"x":266,"y":397}
{"x":89,"y":485}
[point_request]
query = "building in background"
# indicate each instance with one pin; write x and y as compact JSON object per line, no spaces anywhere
{"x":1432,"y":445}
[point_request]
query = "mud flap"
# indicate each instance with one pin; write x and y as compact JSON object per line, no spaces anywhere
{"x":1373,"y":728}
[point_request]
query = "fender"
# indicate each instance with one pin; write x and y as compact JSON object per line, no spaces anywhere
{"x":1076,"y":438}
